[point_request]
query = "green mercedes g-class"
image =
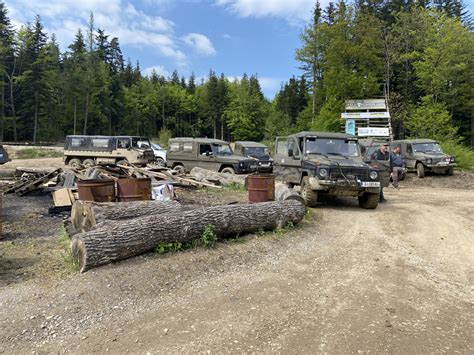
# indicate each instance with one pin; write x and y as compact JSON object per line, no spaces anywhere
{"x":211,"y":154}
{"x":325,"y":163}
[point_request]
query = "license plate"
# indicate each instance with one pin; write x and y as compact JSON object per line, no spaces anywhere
{"x":370,"y":184}
{"x":442,"y":163}
{"x":253,"y":167}
{"x":265,"y":164}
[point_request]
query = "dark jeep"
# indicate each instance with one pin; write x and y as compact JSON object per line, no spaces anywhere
{"x":255,"y":150}
{"x":3,"y":155}
{"x":423,"y":155}
{"x":211,"y":154}
{"x":326,"y":164}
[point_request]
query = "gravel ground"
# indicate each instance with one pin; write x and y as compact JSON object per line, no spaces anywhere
{"x":394,"y":280}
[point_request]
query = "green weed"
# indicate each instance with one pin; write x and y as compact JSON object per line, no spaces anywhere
{"x":209,"y":237}
{"x":65,"y":245}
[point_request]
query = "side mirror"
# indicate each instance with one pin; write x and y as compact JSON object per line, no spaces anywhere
{"x":290,"y":152}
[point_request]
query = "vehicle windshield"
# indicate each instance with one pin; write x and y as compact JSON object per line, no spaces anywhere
{"x":255,"y":151}
{"x":427,"y":147}
{"x":156,"y":146}
{"x":334,"y":146}
{"x":142,"y":143}
{"x":221,"y":149}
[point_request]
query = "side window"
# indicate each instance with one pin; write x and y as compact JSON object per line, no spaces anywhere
{"x":123,"y":143}
{"x":280,"y":148}
{"x":409,"y":149}
{"x":205,"y":149}
{"x":174,"y":147}
{"x":100,"y":142}
{"x":78,"y":142}
{"x":293,"y":146}
{"x":188,"y":146}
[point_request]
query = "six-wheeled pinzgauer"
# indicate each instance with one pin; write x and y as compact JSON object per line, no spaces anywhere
{"x":211,"y":154}
{"x":256,"y":150}
{"x":89,"y":150}
{"x":423,"y":155}
{"x":328,"y":164}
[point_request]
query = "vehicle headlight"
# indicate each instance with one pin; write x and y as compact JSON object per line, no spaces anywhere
{"x":429,"y":161}
{"x":241,"y":164}
{"x":323,"y":172}
{"x":452,"y":159}
{"x":374,"y":175}
{"x":259,"y":163}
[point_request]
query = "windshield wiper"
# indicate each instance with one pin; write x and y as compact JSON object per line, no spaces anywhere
{"x":314,"y":153}
{"x":342,"y":155}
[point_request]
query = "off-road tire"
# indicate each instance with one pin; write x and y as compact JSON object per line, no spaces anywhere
{"x":179,"y":168}
{"x":369,"y":200}
{"x":228,"y":170}
{"x":74,"y":163}
{"x":160,"y":161}
{"x":420,"y":170}
{"x":309,"y":196}
{"x":88,"y":163}
{"x":450,"y":171}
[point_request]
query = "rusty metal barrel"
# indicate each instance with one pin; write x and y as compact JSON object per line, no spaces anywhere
{"x":138,"y":189}
{"x":96,"y":190}
{"x":261,"y":187}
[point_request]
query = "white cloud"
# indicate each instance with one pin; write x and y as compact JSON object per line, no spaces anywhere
{"x":270,"y":84}
{"x":158,"y":69}
{"x":200,"y":43}
{"x":119,"y":18}
{"x":294,"y":11}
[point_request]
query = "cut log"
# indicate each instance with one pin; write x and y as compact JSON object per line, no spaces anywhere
{"x":85,"y":215}
{"x":110,"y":241}
{"x":284,"y":193}
{"x":203,"y":175}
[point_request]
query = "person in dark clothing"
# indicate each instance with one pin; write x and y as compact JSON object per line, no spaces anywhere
{"x":381,"y":154}
{"x":396,"y":164}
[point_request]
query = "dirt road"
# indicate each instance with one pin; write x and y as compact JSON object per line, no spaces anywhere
{"x":394,"y":280}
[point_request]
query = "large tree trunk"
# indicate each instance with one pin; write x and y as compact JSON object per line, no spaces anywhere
{"x":75,"y":114}
{"x":86,"y":215}
{"x":87,"y":114}
{"x":35,"y":126}
{"x":120,"y":240}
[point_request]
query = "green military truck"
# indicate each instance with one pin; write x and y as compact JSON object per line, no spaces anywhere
{"x":211,"y":154}
{"x":422,"y":155}
{"x":326,"y":164}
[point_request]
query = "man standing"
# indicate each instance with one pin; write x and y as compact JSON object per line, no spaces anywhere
{"x":381,"y":155}
{"x":396,"y":162}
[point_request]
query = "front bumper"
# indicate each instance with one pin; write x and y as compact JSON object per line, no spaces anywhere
{"x":440,"y":166}
{"x":353,"y":186}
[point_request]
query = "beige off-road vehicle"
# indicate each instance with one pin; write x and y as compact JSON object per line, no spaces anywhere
{"x":90,"y":150}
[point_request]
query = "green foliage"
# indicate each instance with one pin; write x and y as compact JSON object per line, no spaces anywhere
{"x":33,"y":153}
{"x":329,"y":118}
{"x":65,"y":245}
{"x":164,"y":137}
{"x":209,"y":237}
{"x":431,"y":120}
{"x":464,"y":156}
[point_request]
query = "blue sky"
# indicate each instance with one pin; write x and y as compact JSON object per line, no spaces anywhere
{"x":229,"y":36}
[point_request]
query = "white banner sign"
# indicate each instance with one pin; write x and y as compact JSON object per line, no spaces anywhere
{"x":373,"y":131}
{"x":355,"y":115}
{"x":373,"y":104}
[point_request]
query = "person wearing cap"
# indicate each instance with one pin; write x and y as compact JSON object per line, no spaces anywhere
{"x":381,"y":154}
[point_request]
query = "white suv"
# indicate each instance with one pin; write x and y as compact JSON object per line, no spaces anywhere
{"x":160,"y":154}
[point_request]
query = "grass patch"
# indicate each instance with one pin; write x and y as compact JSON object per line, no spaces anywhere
{"x":464,"y":156}
{"x":65,"y":245}
{"x":34,"y":153}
